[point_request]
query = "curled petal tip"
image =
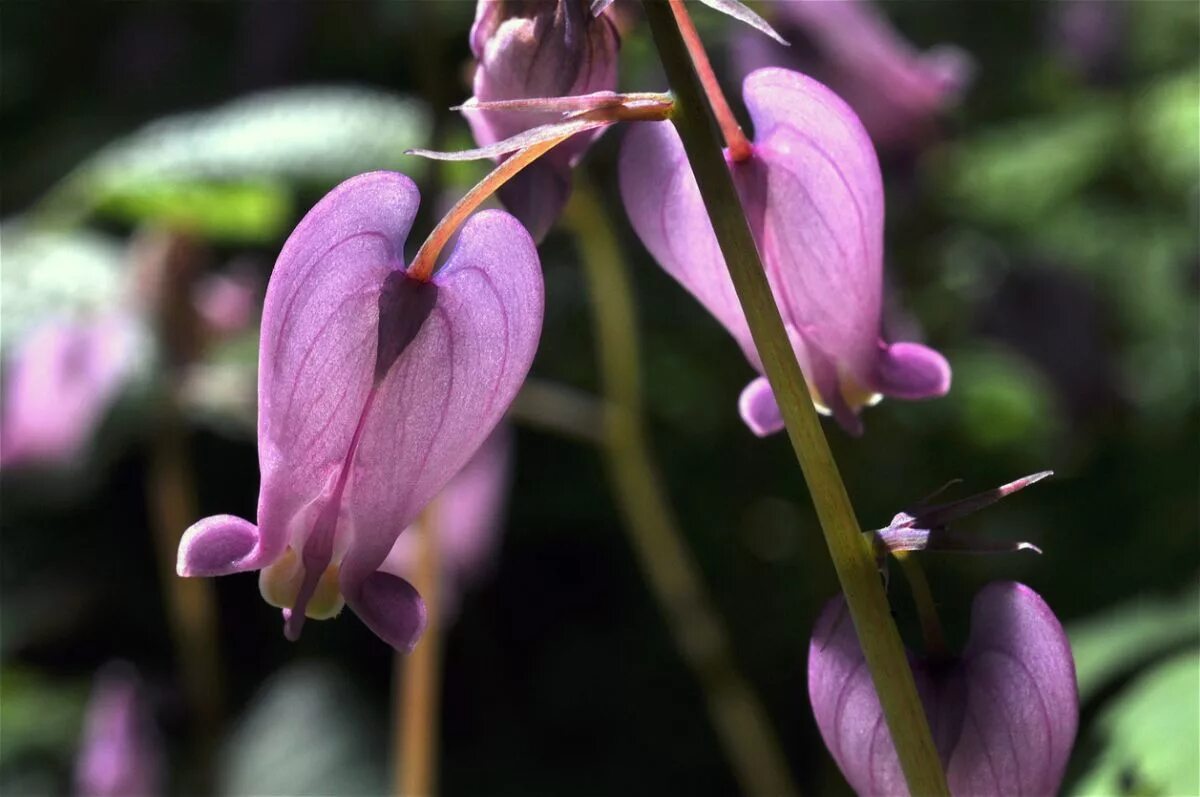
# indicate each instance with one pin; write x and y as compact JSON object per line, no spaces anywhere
{"x":216,"y":546}
{"x":758,"y":408}
{"x":392,"y":608}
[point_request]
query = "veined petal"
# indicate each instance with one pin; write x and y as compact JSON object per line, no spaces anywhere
{"x":447,"y":390}
{"x":1003,"y":715}
{"x":664,"y":206}
{"x":217,"y":546}
{"x":822,"y":233}
{"x":319,"y":338}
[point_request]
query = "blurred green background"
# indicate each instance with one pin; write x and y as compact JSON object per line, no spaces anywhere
{"x":1047,"y":244}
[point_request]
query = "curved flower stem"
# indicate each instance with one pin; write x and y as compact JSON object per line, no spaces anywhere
{"x":735,"y":138}
{"x":191,"y":602}
{"x":849,"y":549}
{"x":931,"y":625}
{"x":417,"y":679}
{"x":739,"y":718}
{"x":425,"y":261}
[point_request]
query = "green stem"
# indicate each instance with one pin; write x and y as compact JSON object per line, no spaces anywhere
{"x":931,"y":625}
{"x":738,"y":716}
{"x":848,"y":547}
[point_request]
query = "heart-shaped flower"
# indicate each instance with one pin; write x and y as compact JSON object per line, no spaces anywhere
{"x":813,"y":195}
{"x":375,"y":388}
{"x":1003,"y":714}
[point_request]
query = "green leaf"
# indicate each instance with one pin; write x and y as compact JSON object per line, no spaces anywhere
{"x":41,"y":715}
{"x":307,"y":732}
{"x":1151,"y":734}
{"x":1014,"y":174}
{"x":1118,"y":641}
{"x":229,"y":171}
{"x":1167,"y":126}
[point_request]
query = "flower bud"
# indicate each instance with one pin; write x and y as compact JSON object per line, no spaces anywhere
{"x":538,"y":48}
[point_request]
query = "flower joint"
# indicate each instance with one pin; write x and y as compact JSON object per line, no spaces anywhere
{"x":927,"y":527}
{"x":813,"y":194}
{"x":1003,"y":714}
{"x":377,"y":384}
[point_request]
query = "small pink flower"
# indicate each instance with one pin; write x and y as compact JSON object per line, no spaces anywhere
{"x":374,"y":390}
{"x":813,"y":195}
{"x":1003,"y":714}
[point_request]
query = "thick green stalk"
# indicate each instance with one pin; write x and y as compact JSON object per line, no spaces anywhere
{"x":738,"y":717}
{"x":849,"y":548}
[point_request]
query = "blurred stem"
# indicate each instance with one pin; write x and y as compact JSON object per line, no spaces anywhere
{"x":418,"y":680}
{"x":848,"y":547}
{"x":191,"y":602}
{"x":931,"y":625}
{"x":735,"y":138}
{"x":739,"y":718}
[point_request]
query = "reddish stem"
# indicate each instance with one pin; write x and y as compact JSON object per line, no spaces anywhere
{"x":426,"y":259}
{"x":739,"y":146}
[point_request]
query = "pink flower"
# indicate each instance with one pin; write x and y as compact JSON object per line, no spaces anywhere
{"x":374,"y":390}
{"x":61,"y":381}
{"x":120,"y":752}
{"x":1003,"y":714}
{"x":813,"y":194}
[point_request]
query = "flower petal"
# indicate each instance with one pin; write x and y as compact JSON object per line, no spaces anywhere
{"x":319,"y":337}
{"x":217,"y":546}
{"x":664,"y":206}
{"x":1022,"y":692}
{"x":759,"y":409}
{"x":390,"y":607}
{"x":823,"y":230}
{"x":911,"y":371}
{"x":448,"y":389}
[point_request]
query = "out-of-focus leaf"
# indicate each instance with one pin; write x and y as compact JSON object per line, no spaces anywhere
{"x":1167,"y":124}
{"x":1162,"y":34}
{"x":1151,"y":733}
{"x":227,"y":170}
{"x":1013,"y":174}
{"x":40,"y":715}
{"x":1003,"y":400}
{"x":1113,"y":643}
{"x":54,"y":273}
{"x":235,"y":212}
{"x":307,"y":732}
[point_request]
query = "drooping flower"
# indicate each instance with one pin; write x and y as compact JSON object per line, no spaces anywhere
{"x":466,"y":520}
{"x":59,"y":384}
{"x":533,"y":49}
{"x":897,"y":91}
{"x":1003,"y":714}
{"x":813,"y":195}
{"x":120,"y":752}
{"x":375,"y":388}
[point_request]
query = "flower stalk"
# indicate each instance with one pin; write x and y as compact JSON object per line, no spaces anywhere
{"x":735,"y":137}
{"x":850,"y":550}
{"x":418,"y":679}
{"x":927,"y":614}
{"x":739,"y":718}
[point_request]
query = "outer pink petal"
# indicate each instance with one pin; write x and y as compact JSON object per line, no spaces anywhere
{"x":449,"y":388}
{"x":319,"y":335}
{"x":822,"y":234}
{"x":664,"y":205}
{"x":467,"y":515}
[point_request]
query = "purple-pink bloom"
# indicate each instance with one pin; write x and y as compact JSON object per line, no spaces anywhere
{"x":466,"y":519}
{"x":532,"y":49}
{"x":120,"y":752}
{"x":59,"y":384}
{"x":374,"y":390}
{"x":813,"y":195}
{"x":1003,"y":714}
{"x":897,"y":91}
